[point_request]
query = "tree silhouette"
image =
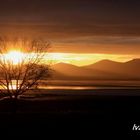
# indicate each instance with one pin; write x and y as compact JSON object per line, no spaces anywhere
{"x":22,"y":65}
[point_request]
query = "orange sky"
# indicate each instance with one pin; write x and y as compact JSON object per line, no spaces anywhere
{"x":109,"y":28}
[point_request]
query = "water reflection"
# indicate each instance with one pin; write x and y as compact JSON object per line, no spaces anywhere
{"x":86,"y":87}
{"x":79,"y":85}
{"x":67,"y":87}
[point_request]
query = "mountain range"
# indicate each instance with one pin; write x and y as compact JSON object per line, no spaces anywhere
{"x":102,"y":70}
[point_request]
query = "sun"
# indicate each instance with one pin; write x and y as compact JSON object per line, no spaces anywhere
{"x":15,"y":57}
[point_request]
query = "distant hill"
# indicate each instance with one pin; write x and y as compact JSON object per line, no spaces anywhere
{"x":105,"y":69}
{"x":104,"y":64}
{"x":71,"y":70}
{"x":133,"y":67}
{"x":74,"y":72}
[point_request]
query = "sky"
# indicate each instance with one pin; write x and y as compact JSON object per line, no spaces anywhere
{"x":81,"y":27}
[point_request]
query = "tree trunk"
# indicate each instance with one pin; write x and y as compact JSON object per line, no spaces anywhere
{"x":11,"y":97}
{"x":14,"y":101}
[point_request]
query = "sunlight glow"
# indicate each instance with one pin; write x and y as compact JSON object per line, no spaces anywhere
{"x":15,"y":57}
{"x":12,"y":87}
{"x":79,"y":59}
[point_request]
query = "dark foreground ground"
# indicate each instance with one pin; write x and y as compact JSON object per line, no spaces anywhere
{"x":70,"y":115}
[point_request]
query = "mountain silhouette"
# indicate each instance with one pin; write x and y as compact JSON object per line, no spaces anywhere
{"x":135,"y":64}
{"x":103,"y":70}
{"x":103,"y":64}
{"x":71,"y":70}
{"x":106,"y":65}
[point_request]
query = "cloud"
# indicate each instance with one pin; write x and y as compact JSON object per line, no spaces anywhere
{"x":102,"y":26}
{"x":99,"y":44}
{"x":101,"y":40}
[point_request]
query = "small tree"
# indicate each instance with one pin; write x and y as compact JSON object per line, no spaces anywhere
{"x":22,"y":65}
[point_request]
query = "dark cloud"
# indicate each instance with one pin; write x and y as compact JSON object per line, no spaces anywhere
{"x":63,"y":20}
{"x":71,"y":11}
{"x":99,"y":44}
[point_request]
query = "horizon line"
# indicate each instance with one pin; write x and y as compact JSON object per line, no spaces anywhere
{"x":95,"y":62}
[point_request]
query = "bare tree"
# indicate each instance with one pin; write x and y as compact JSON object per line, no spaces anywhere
{"x":22,"y":65}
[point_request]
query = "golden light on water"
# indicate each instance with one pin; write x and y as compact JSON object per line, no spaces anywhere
{"x":12,"y":87}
